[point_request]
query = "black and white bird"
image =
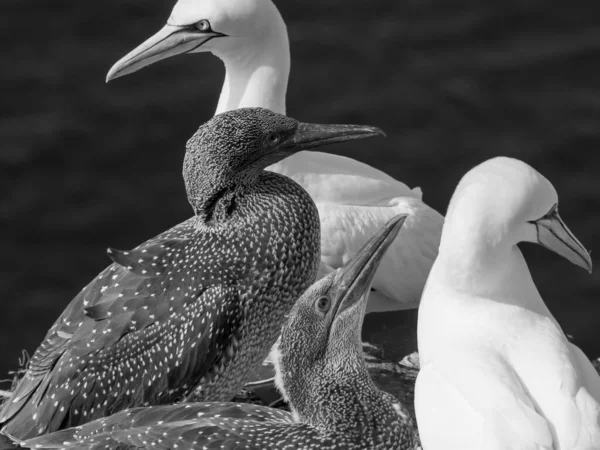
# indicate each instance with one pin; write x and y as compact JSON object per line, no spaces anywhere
{"x":198,"y":306}
{"x":320,"y":369}
{"x":354,"y":199}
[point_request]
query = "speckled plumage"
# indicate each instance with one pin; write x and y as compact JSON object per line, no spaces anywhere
{"x":320,"y":369}
{"x":199,"y":305}
{"x":352,"y":412}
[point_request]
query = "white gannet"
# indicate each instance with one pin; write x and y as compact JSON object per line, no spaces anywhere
{"x":354,"y":199}
{"x":497,"y":371}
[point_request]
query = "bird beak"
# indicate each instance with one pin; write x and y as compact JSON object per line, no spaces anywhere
{"x":354,"y":279}
{"x":553,"y":234}
{"x":309,"y":135}
{"x":169,"y":41}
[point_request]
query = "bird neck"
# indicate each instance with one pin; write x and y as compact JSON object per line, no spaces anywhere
{"x":216,"y":206}
{"x":214,"y":195}
{"x":258,"y":76}
{"x":343,"y":384}
{"x":492,"y":272}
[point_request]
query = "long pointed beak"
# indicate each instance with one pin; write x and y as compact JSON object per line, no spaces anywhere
{"x":309,"y":135}
{"x":169,"y":41}
{"x":353,"y":280}
{"x":553,"y":234}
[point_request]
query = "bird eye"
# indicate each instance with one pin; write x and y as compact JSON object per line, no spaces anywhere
{"x":273,"y":139}
{"x":203,"y":25}
{"x":553,"y":211}
{"x":323,"y":304}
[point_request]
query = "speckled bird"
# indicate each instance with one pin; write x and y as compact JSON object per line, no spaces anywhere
{"x":320,"y":369}
{"x":198,"y":306}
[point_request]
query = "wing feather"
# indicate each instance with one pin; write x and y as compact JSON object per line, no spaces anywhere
{"x":190,"y":425}
{"x":136,"y":315}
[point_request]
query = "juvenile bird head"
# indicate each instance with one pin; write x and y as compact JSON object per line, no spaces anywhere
{"x":233,"y":148}
{"x":321,"y":340}
{"x":227,"y":28}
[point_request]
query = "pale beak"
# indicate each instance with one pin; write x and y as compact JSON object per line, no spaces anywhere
{"x":169,"y":41}
{"x":354,"y":279}
{"x":553,"y":234}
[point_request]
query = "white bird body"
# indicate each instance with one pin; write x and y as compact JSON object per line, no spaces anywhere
{"x":354,"y":200}
{"x":497,"y":371}
{"x":352,"y":206}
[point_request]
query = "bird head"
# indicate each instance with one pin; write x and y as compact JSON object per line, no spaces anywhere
{"x":504,"y":201}
{"x":233,"y":148}
{"x":222,"y":27}
{"x":321,"y":341}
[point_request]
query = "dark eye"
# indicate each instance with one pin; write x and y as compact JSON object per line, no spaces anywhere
{"x":323,"y":304}
{"x":273,"y":139}
{"x":552,"y":212}
{"x":203,"y":25}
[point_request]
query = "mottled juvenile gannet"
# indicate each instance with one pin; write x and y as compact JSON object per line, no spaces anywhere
{"x":354,"y":199}
{"x":321,"y":370}
{"x":497,"y":371}
{"x":200,"y":305}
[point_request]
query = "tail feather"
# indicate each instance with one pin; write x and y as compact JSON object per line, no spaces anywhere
{"x":24,"y":415}
{"x":22,"y":425}
{"x":20,"y":397}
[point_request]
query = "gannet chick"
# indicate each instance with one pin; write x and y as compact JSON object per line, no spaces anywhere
{"x":354,"y":199}
{"x":199,"y":306}
{"x":320,"y":367}
{"x":497,"y":371}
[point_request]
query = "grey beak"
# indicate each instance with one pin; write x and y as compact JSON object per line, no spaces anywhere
{"x":169,"y":41}
{"x":354,"y":279}
{"x":309,"y":135}
{"x":553,"y":234}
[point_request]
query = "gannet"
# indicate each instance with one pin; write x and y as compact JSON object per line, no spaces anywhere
{"x":321,"y":367}
{"x":354,"y":200}
{"x":199,"y":306}
{"x":497,"y":371}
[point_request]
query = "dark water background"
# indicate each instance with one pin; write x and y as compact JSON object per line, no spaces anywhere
{"x":85,"y":165}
